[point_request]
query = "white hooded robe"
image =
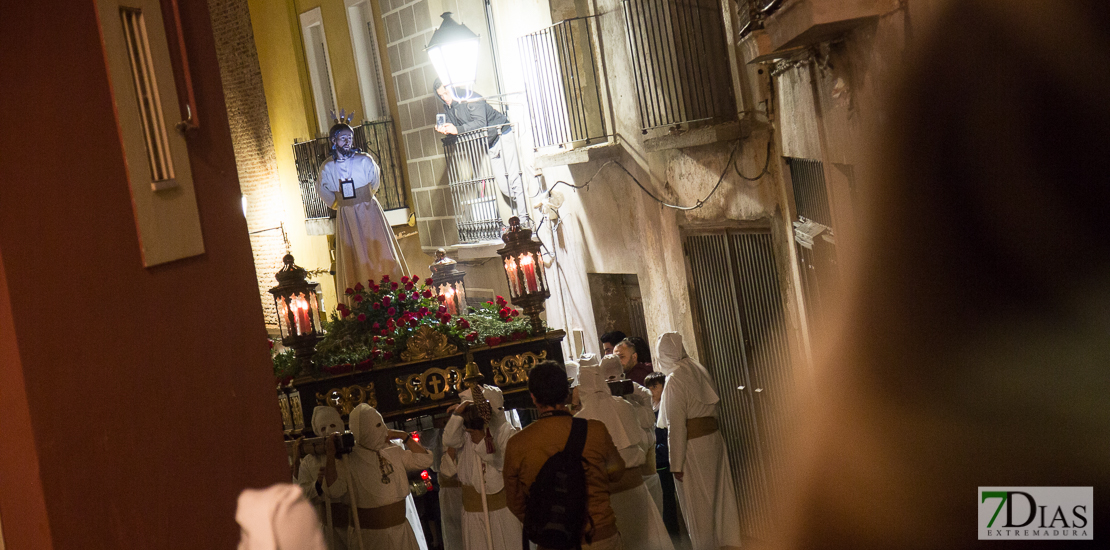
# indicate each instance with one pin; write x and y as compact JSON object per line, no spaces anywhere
{"x":638,"y":520}
{"x":473,"y":460}
{"x":362,"y":468}
{"x":706,"y":493}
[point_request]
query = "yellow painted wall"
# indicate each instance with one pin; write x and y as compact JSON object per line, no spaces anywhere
{"x":277,"y":36}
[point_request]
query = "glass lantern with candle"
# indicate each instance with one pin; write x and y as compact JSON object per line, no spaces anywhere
{"x":297,"y":301}
{"x":524,"y":271}
{"x":448,"y":282}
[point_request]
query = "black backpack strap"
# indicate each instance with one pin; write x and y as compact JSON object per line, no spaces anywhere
{"x":577,"y":439}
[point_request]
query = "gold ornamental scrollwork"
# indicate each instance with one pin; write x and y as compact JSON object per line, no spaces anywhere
{"x":513,"y":369}
{"x":434,"y":384}
{"x":427,"y":344}
{"x":346,"y":399}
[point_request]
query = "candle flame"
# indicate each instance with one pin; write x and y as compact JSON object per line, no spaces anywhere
{"x":526,"y":260}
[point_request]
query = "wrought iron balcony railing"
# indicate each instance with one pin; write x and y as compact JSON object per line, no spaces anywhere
{"x":560,"y":77}
{"x":478,"y":174}
{"x":376,"y":138}
{"x":679,"y":60}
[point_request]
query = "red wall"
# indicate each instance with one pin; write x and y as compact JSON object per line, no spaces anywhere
{"x":136,"y":402}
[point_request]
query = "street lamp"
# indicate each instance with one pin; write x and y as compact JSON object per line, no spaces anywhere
{"x":298,"y":310}
{"x":524,"y":271}
{"x":448,"y":282}
{"x":453,"y":50}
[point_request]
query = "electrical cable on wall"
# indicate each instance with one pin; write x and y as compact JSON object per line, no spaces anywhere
{"x":701,"y":202}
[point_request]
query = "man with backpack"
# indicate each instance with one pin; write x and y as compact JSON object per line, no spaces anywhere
{"x":558,"y":469}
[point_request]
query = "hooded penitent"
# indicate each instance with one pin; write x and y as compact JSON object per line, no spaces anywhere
{"x":572,"y":372}
{"x":371,"y":436}
{"x":685,"y":376}
{"x":326,"y":420}
{"x":611,"y":367}
{"x":598,"y":403}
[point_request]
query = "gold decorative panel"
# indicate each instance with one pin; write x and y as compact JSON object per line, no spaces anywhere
{"x":346,"y":399}
{"x":433,"y":384}
{"x":427,"y":344}
{"x":513,"y":369}
{"x":286,"y":415}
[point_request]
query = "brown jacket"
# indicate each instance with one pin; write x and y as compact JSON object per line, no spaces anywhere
{"x":529,"y":449}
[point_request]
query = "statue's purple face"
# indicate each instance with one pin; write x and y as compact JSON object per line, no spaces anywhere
{"x":343,"y":142}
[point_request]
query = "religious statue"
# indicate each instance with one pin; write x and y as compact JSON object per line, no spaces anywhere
{"x":365,"y":246}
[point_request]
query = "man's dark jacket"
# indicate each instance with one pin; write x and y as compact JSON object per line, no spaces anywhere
{"x":473,"y":114}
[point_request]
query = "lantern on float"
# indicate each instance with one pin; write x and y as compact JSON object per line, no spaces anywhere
{"x":448,"y":281}
{"x":298,"y":310}
{"x":524,"y":271}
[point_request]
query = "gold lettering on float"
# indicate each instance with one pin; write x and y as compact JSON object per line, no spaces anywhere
{"x":346,"y":399}
{"x":513,"y":369}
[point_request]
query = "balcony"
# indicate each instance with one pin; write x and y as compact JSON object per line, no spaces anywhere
{"x":680,"y":62}
{"x":487,"y":187}
{"x":379,"y":141}
{"x":560,"y":78}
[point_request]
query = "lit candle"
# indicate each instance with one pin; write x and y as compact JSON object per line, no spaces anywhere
{"x":510,"y":272}
{"x":529,"y":268}
{"x":460,"y":293}
{"x":449,"y":293}
{"x":284,"y":314}
{"x":300,"y":312}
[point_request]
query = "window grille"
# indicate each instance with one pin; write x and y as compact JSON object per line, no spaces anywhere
{"x":680,"y":61}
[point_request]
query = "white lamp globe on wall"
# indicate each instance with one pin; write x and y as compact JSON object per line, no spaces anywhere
{"x":453,"y":51}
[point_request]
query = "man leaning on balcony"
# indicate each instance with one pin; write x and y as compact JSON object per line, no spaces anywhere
{"x":466,"y":115}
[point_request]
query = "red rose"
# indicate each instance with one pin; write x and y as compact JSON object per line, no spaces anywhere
{"x":375,"y":326}
{"x":350,"y":291}
{"x":401,"y":296}
{"x":441,"y":298}
{"x":391,"y":312}
{"x":429,"y":281}
{"x":504,"y":312}
{"x":374,"y":287}
{"x":489,"y":303}
{"x":493,"y":340}
{"x":516,"y":313}
{"x":376,"y":353}
{"x":404,"y":278}
{"x":271,"y":343}
{"x":358,"y":298}
{"x":376,"y":305}
{"x":362,"y":317}
{"x":446,"y":318}
{"x":413,"y":322}
{"x":387,"y":355}
{"x":389,"y":341}
{"x":377,"y":339}
{"x":427,"y":293}
{"x":463,"y":324}
{"x":442,"y":310}
{"x":472,"y":337}
{"x":385,"y":278}
{"x":393,"y":286}
{"x":422,"y":311}
{"x":501,"y":301}
{"x":358,"y":287}
{"x":365,"y":364}
{"x":384,"y":332}
{"x":344,"y":313}
{"x":409,"y":286}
